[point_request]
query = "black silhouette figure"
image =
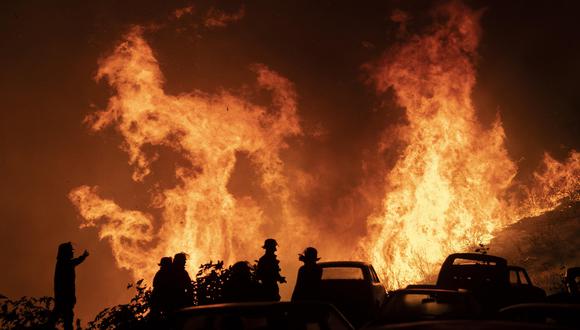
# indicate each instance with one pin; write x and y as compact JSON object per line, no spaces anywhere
{"x":64,"y":285}
{"x":268,"y":271}
{"x":181,"y":285}
{"x":240,"y":286}
{"x":162,"y":285}
{"x":309,"y":277}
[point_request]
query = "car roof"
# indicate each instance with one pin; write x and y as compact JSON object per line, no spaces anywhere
{"x":255,"y":305}
{"x":477,"y":256}
{"x":357,"y":264}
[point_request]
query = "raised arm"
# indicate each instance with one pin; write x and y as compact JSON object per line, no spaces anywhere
{"x":79,"y":260}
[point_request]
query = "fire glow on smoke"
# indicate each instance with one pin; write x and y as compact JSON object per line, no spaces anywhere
{"x":452,"y":186}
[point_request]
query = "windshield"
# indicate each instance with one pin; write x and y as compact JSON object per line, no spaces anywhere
{"x":342,"y":273}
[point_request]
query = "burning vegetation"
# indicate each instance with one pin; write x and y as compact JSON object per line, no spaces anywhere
{"x":452,"y":186}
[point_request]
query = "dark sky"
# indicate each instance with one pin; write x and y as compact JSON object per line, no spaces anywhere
{"x":528,"y":71}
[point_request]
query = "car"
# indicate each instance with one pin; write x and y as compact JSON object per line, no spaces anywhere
{"x":521,"y":287}
{"x":354,"y":288}
{"x":489,"y":278}
{"x":567,"y":315}
{"x":573,"y":281}
{"x":422,"y":304}
{"x":571,"y":292}
{"x":261,"y":316}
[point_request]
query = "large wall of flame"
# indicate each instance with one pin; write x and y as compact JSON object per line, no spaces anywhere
{"x":451,"y":185}
{"x":444,"y":193}
{"x":199,"y":215}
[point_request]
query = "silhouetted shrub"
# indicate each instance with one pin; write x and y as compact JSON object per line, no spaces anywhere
{"x":133,"y":315}
{"x":209,"y":282}
{"x":25,"y":313}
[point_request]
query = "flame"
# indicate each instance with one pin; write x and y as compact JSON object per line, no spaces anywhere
{"x":452,"y":186}
{"x":449,"y":189}
{"x":554,"y":183}
{"x":199,"y":215}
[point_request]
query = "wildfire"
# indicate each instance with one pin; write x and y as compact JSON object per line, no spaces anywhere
{"x":452,"y":186}
{"x":199,"y":215}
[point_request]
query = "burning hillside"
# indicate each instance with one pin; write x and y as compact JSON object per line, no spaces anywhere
{"x":545,"y":245}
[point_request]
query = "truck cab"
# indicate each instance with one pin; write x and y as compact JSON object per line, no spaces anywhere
{"x":354,"y":288}
{"x":491,"y":280}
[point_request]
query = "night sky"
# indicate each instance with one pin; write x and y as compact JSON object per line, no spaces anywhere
{"x":528,"y":69}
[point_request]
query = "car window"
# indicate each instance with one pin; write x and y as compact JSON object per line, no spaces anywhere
{"x":513,"y":277}
{"x":461,"y":261}
{"x":342,"y":273}
{"x":374,"y":275}
{"x":523,"y":278}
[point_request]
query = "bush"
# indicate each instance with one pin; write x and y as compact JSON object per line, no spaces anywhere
{"x":133,"y":315}
{"x":25,"y":313}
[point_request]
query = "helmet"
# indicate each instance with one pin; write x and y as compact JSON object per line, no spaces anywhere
{"x":65,"y":251}
{"x":165,"y":262}
{"x":309,"y":253}
{"x":270,"y":243}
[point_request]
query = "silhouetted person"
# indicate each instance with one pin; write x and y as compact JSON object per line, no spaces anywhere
{"x":182,"y":288}
{"x":309,"y":277}
{"x":64,"y":285}
{"x":268,"y":271}
{"x":240,"y":286}
{"x":162,"y":286}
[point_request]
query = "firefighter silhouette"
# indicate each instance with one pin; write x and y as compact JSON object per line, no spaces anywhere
{"x":162,"y":284}
{"x":309,"y":277}
{"x":64,"y":285}
{"x":268,"y":271}
{"x":182,"y":287}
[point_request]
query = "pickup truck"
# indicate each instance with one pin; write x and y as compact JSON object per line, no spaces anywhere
{"x":491,"y":280}
{"x":354,"y":288}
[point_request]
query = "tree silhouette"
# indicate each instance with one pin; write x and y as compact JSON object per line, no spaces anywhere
{"x":133,"y":315}
{"x":25,"y":313}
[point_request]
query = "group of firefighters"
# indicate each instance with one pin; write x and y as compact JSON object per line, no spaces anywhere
{"x":173,"y":287}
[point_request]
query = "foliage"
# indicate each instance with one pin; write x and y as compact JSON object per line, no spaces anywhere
{"x":133,"y":315}
{"x":209,"y":282}
{"x":483,"y":249}
{"x":25,"y":313}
